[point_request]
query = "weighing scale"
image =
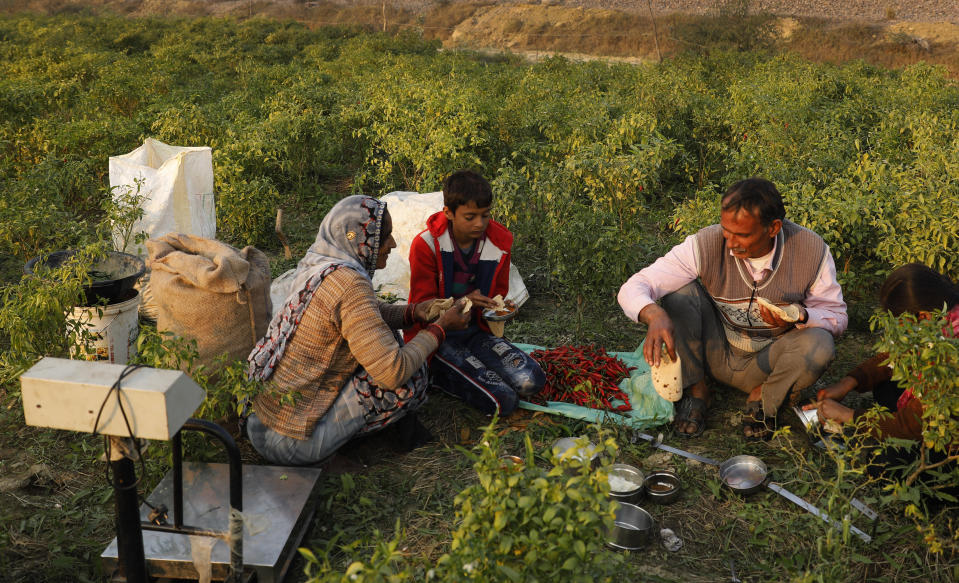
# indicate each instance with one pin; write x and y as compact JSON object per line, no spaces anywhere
{"x":254,"y":516}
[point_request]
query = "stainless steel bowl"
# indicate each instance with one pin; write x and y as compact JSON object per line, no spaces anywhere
{"x":632,"y":528}
{"x":662,"y":486}
{"x":619,"y":476}
{"x":564,"y":444}
{"x":743,"y":474}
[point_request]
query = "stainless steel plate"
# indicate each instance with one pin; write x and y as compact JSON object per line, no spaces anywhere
{"x":492,"y":316}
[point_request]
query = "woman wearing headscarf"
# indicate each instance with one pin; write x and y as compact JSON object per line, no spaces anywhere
{"x":334,"y":366}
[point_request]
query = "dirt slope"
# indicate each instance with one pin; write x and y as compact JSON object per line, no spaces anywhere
{"x":869,"y":10}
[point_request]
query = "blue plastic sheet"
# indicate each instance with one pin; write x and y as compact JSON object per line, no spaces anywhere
{"x":648,"y":408}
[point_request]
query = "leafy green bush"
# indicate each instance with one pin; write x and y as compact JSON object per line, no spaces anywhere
{"x":525,"y":523}
{"x":925,"y":359}
{"x":33,"y":315}
{"x":520,"y":522}
{"x":226,"y":384}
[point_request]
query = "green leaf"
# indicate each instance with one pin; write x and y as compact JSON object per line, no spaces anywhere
{"x":510,"y":573}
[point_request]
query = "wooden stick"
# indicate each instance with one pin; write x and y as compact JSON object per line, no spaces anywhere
{"x":279,"y":233}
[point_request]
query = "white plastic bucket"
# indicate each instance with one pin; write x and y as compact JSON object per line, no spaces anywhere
{"x":114,"y":329}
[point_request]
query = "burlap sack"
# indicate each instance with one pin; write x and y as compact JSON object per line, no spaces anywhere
{"x":209,"y":291}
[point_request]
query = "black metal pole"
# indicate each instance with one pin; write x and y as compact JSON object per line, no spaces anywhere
{"x":177,"y":447}
{"x":132,"y":562}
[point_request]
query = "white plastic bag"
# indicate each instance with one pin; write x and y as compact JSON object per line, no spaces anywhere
{"x":178,"y":185}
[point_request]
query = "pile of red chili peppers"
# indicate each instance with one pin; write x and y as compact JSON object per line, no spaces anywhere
{"x":583,"y":375}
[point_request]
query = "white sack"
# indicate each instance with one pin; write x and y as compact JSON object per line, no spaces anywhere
{"x":409,"y":211}
{"x":178,"y":184}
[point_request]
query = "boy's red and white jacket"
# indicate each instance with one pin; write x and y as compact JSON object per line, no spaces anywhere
{"x":431,"y":264}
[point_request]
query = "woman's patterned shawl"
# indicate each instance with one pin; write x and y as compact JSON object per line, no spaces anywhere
{"x":349,"y":236}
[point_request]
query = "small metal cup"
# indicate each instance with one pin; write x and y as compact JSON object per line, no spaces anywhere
{"x":662,"y":486}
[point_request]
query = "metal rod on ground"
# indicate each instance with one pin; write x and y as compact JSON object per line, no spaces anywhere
{"x":856,"y":503}
{"x":132,"y":562}
{"x":816,"y":511}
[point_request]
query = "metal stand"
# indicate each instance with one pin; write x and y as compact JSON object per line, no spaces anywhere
{"x":132,"y":565}
{"x":234,"y":533}
{"x":130,"y":552}
{"x":277,"y":496}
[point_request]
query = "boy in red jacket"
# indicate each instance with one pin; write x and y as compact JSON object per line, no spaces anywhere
{"x":463,"y":252}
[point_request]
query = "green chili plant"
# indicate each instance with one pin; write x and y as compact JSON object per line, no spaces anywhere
{"x":523,"y":522}
{"x":519,"y":522}
{"x":123,"y":207}
{"x":226,"y":383}
{"x":34,"y":318}
{"x":924,"y":356}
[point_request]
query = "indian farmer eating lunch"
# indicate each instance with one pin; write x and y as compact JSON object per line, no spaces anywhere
{"x":752,"y":302}
{"x":914,"y":289}
{"x":463,"y":253}
{"x":334,"y":366}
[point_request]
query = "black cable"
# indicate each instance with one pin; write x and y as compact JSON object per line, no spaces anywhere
{"x":106,"y":440}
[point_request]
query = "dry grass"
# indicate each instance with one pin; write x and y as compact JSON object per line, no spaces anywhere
{"x":822,"y":42}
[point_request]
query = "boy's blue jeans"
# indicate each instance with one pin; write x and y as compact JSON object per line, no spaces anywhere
{"x":485,"y":371}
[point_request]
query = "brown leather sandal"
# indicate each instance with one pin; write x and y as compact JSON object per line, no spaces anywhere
{"x":691,"y":410}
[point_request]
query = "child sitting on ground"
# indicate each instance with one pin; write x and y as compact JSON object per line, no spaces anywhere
{"x":915,"y":289}
{"x":464,"y":253}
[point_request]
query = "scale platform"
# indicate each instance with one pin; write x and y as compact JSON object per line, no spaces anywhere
{"x":276,"y":501}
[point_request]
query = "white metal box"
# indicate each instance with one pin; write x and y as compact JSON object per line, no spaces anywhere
{"x":68,"y":394}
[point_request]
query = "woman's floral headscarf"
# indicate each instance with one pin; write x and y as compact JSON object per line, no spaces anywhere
{"x":349,"y":236}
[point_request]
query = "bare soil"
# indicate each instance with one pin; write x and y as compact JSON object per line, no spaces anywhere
{"x":867,"y":10}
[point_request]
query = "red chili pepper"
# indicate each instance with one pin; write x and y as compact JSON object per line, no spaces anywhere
{"x":583,"y":375}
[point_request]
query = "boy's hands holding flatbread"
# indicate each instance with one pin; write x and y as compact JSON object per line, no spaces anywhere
{"x":480,"y":301}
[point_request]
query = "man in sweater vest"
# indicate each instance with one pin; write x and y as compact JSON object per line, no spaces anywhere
{"x":753,"y":302}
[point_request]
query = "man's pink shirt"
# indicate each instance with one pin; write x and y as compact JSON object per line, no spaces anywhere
{"x":679,"y":266}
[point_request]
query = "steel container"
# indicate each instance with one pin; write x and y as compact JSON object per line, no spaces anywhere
{"x":662,"y":486}
{"x":632,"y":528}
{"x":626,"y":473}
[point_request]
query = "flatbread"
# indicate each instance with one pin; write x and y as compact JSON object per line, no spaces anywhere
{"x":437,"y":307}
{"x":467,"y":305}
{"x":668,"y":378}
{"x":788,"y":313}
